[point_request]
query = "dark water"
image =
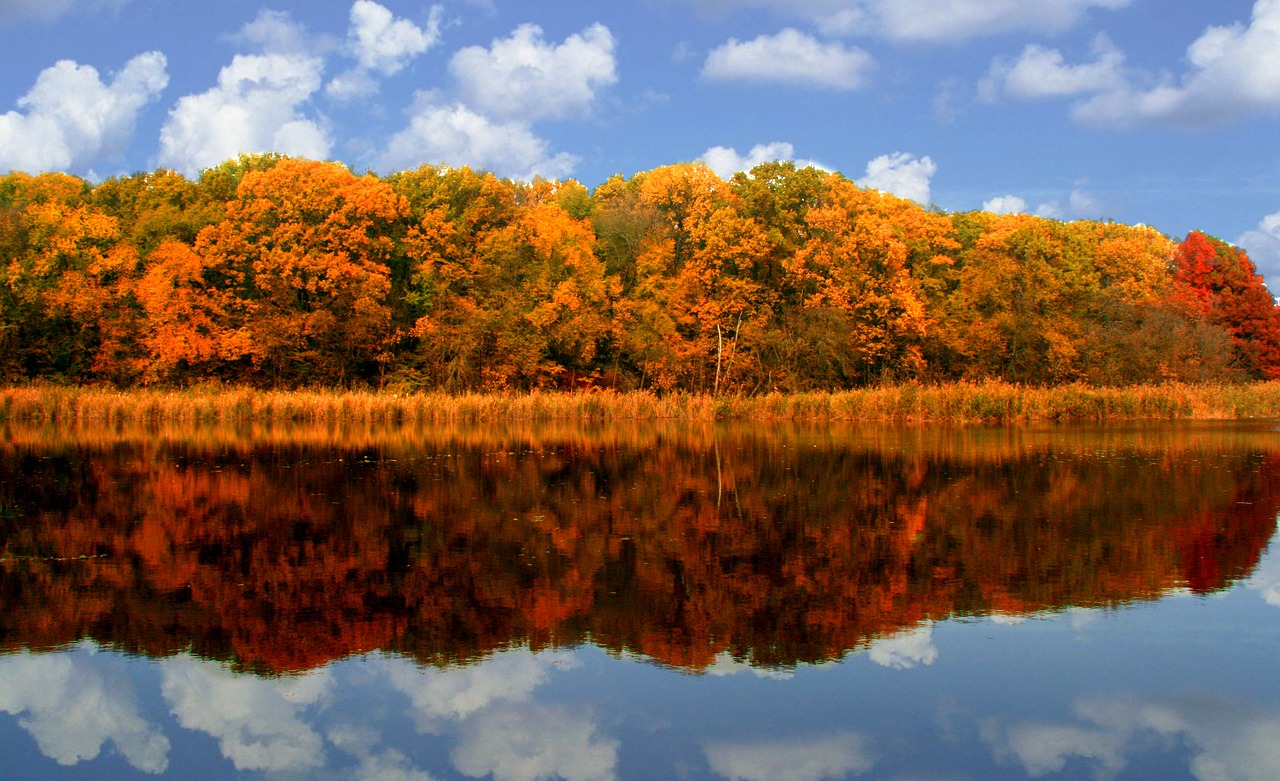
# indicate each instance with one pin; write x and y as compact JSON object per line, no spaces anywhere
{"x":648,"y":602}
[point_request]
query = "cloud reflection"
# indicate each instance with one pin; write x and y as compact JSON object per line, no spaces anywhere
{"x":814,"y":759}
{"x":74,"y":707}
{"x":257,"y":721}
{"x":531,"y":743}
{"x":1229,"y":742}
{"x":1266,"y":578}
{"x":455,"y":694}
{"x":906,"y":650}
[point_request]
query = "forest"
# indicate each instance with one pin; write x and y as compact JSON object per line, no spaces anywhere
{"x":278,"y":272}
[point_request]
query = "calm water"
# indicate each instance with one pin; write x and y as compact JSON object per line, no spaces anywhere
{"x":649,"y":602}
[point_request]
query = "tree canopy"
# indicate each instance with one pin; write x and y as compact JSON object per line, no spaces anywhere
{"x":282,"y":272}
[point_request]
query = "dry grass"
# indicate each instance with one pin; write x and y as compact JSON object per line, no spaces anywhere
{"x":963,"y":403}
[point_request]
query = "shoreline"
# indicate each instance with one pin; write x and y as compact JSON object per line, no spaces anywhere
{"x":958,"y":403}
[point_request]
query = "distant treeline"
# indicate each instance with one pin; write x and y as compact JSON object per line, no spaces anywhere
{"x":278,"y":272}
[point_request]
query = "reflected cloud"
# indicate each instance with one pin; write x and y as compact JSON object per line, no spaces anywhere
{"x":73,"y":708}
{"x":256,"y":721}
{"x":906,"y":650}
{"x":808,"y":759}
{"x":725,"y":664}
{"x":1229,"y":742}
{"x":456,"y":694}
{"x":533,"y":743}
{"x":1266,"y":578}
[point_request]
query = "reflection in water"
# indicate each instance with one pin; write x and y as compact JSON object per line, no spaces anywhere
{"x":469,"y":603}
{"x":73,"y":707}
{"x":805,"y":759}
{"x":1227,"y":740}
{"x":280,"y":555}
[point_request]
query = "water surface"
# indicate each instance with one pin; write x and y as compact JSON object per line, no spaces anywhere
{"x":636,"y":602}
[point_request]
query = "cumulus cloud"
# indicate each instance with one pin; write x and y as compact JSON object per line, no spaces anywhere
{"x":70,"y":118}
{"x":531,"y":743}
{"x":929,"y":20}
{"x":526,"y":78}
{"x":1233,"y":72}
{"x":907,"y":650}
{"x":256,"y":721}
{"x":381,"y":44}
{"x":726,"y":161}
{"x":73,"y":709}
{"x":1044,"y":73}
{"x":808,"y":759}
{"x":1226,"y":741}
{"x":791,"y":58}
{"x":454,"y":695}
{"x":1005,"y":204}
{"x":902,"y":174}
{"x":457,"y":135}
{"x":256,"y":107}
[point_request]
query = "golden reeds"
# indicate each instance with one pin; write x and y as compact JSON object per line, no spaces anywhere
{"x":959,"y":403}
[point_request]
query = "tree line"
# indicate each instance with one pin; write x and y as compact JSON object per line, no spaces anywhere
{"x":273,"y":271}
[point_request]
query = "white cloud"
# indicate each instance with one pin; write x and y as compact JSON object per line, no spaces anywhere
{"x":907,"y":650}
{"x":929,"y":20}
{"x":1044,"y":748}
{"x":1227,"y":742}
{"x":813,"y":759}
{"x":71,"y":118}
{"x":73,"y":709}
{"x":533,"y":743}
{"x":277,"y":33}
{"x":1263,"y":245}
{"x":726,"y":161}
{"x":902,"y":174}
{"x":382,"y":44}
{"x":1233,"y":72}
{"x":523,"y":77}
{"x":456,"y":135}
{"x":1005,"y":204}
{"x":256,"y":721}
{"x":256,"y":107}
{"x":791,"y":58}
{"x":1042,"y":73}
{"x":455,"y":694}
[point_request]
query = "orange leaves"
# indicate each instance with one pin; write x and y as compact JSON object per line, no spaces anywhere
{"x":313,"y":243}
{"x":191,"y":321}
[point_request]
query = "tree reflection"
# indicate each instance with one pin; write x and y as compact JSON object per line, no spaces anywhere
{"x":278,"y":551}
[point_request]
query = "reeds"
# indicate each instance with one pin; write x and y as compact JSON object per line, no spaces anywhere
{"x":959,"y":403}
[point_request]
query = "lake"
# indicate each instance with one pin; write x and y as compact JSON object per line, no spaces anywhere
{"x":652,"y":601}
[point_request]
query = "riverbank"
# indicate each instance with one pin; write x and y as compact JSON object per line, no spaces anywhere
{"x":962,"y":403}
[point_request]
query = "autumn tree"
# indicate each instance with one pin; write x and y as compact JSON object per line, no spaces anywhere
{"x":1218,"y":283}
{"x":308,"y":245}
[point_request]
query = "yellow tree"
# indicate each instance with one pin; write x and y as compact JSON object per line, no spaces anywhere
{"x":64,"y":281}
{"x":310,"y":244}
{"x":861,"y":282}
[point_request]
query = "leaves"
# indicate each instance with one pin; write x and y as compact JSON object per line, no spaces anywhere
{"x":277,"y":271}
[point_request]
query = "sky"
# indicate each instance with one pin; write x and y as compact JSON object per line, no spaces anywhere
{"x":1160,"y":112}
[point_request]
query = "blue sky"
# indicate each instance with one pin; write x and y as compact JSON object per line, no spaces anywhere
{"x":1161,"y":112}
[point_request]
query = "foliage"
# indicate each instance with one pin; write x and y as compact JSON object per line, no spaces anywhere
{"x":278,"y":272}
